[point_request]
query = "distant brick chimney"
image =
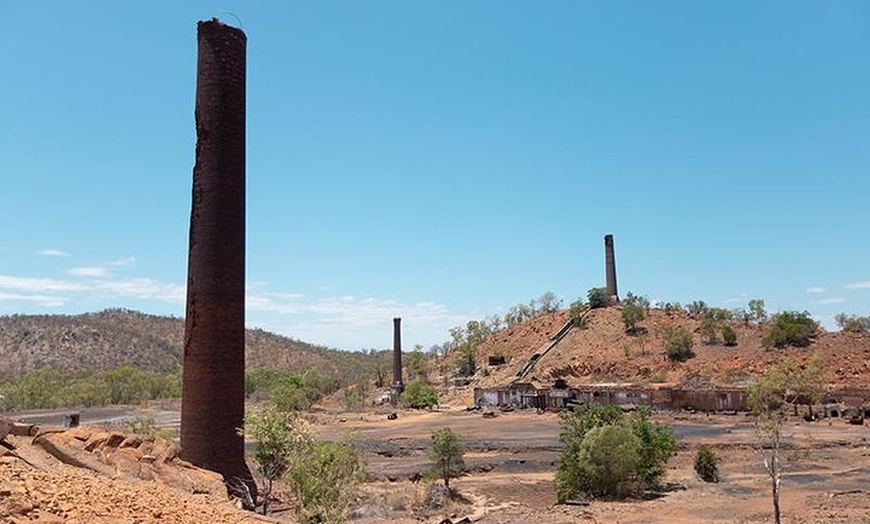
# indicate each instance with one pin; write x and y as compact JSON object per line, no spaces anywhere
{"x":398,"y":385}
{"x":610,"y":269}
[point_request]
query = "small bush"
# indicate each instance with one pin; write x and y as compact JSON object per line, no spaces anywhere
{"x":790,"y":328}
{"x":678,"y":344}
{"x":707,"y":464}
{"x":729,"y":336}
{"x":324,"y":480}
{"x":447,"y":454}
{"x":853,"y":323}
{"x":598,"y":297}
{"x":419,"y":395}
{"x":631,"y":315}
{"x":673,"y":308}
{"x":577,"y":312}
{"x":698,"y":308}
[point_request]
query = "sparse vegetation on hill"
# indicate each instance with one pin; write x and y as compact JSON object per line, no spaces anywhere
{"x":597,"y":297}
{"x":121,"y":356}
{"x":853,"y":323}
{"x":678,"y":344}
{"x":604,"y":352}
{"x":631,"y":315}
{"x":51,"y":388}
{"x":790,"y":328}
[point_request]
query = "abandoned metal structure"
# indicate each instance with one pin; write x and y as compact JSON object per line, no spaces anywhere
{"x":398,"y":385}
{"x":842,"y":402}
{"x":626,"y":396}
{"x":213,"y":395}
{"x":610,"y":269}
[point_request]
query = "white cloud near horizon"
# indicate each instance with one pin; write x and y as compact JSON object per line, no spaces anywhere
{"x":40,"y":290}
{"x":89,"y":271}
{"x":818,"y":290}
{"x":342,"y":321}
{"x":858,"y":285}
{"x":42,"y":300}
{"x":832,"y":300}
{"x":51,"y":252}
{"x":38,"y":285}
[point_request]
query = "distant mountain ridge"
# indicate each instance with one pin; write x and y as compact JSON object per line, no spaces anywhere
{"x":113,"y":337}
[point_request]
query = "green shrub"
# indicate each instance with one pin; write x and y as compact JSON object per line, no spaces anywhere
{"x":608,"y":459}
{"x":631,"y":315}
{"x":577,"y":312}
{"x":673,"y":308}
{"x":707,"y":464}
{"x":698,"y":308}
{"x":729,"y":336}
{"x":606,"y":454}
{"x":324,"y":479}
{"x":636,"y":300}
{"x":447,"y":454}
{"x":598,"y":297}
{"x":790,"y":328}
{"x":657,"y":445}
{"x":322,"y":476}
{"x":277,"y":437}
{"x":419,"y":395}
{"x":853,"y":323}
{"x":709,"y":331}
{"x":678,"y":344}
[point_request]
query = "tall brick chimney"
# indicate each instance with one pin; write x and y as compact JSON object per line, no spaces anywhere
{"x":610,"y":269}
{"x":213,"y":396}
{"x":398,"y":385}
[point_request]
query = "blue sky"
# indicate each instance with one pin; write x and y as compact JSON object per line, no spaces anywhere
{"x":444,"y":161}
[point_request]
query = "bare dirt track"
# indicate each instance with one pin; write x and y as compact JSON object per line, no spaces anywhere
{"x":512,"y":460}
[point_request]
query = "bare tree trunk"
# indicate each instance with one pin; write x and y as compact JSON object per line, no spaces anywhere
{"x":777,"y":515}
{"x":773,"y":470}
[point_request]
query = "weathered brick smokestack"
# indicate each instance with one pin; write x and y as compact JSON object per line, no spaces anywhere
{"x":610,"y":268}
{"x":398,"y":385}
{"x":213,"y":396}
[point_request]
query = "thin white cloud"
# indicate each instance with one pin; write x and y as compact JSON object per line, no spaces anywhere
{"x":106,"y":289}
{"x":42,"y":300}
{"x":348,"y":321}
{"x":38,"y":285}
{"x":141,"y":288}
{"x":832,"y":300}
{"x":51,"y":252}
{"x":123,"y":261}
{"x":859,"y":285}
{"x":89,"y":271}
{"x":817,"y":290}
{"x":344,"y":321}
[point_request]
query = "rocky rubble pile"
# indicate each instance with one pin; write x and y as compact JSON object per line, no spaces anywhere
{"x":86,"y":475}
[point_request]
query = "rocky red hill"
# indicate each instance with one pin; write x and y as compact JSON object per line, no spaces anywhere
{"x":603,"y":351}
